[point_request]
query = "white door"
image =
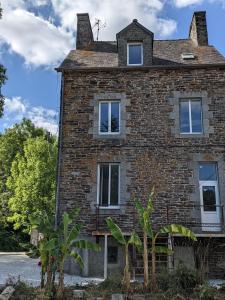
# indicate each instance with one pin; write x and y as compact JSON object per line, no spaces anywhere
{"x":210,"y":206}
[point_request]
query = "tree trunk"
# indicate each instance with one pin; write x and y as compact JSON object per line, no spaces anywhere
{"x":154,"y":282}
{"x":126,"y":278}
{"x":61,"y":281}
{"x":145,"y":260}
{"x":49,"y":274}
{"x":42,"y":278}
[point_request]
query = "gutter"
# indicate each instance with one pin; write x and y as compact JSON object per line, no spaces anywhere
{"x":142,"y":68}
{"x":58,"y":168}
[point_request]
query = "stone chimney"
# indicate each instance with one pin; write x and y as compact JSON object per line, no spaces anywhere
{"x":84,"y":31}
{"x":198,"y":29}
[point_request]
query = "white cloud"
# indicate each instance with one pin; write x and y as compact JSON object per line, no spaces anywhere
{"x":15,"y":105}
{"x":41,"y":42}
{"x":116,"y":14}
{"x":184,"y":3}
{"x":37,"y":40}
{"x":16,"y":109}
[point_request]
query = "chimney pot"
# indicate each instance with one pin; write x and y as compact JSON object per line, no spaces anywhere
{"x":135,"y":20}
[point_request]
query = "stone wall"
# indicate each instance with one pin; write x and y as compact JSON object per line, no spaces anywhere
{"x":151,"y":152}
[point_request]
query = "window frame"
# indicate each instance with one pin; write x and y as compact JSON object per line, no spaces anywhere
{"x":109,"y":186}
{"x":128,"y":53}
{"x":189,"y":100}
{"x":109,"y":102}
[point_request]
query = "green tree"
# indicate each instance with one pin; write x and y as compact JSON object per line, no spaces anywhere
{"x":11,"y":144}
{"x":2,"y":79}
{"x":32,"y":181}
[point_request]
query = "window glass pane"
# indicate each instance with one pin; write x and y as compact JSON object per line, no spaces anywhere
{"x":196,"y":116}
{"x":114,"y":184}
{"x":184,"y":117}
{"x":115,"y":117}
{"x":135,"y":54}
{"x":112,"y":254}
{"x":209,"y":198}
{"x":104,"y":117}
{"x":207,"y":171}
{"x":104,"y":185}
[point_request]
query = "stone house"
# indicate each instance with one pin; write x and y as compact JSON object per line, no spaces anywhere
{"x":136,"y":113}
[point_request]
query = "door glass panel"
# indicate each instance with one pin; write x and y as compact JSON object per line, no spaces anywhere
{"x":209,"y":198}
{"x":115,"y":117}
{"x":104,"y":185}
{"x":114,"y":184}
{"x":184,"y":117}
{"x":207,"y":171}
{"x":104,"y":117}
{"x":196,"y":116}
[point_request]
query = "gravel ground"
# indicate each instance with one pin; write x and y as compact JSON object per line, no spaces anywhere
{"x":20,"y":265}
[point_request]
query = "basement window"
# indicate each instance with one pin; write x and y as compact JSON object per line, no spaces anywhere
{"x":134,"y":54}
{"x":112,"y":255}
{"x":108,"y":185}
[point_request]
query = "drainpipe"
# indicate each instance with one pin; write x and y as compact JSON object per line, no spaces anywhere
{"x":58,"y":168}
{"x":170,"y":257}
{"x":106,"y":257}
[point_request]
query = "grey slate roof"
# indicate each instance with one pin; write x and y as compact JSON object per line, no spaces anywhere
{"x":165,"y":52}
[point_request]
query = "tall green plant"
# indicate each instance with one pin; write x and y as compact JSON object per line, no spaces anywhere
{"x":125,"y":242}
{"x":45,"y":225}
{"x":67,"y":244}
{"x":144,"y":214}
{"x":56,"y":245}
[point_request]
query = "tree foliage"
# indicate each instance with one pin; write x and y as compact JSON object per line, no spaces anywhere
{"x":32,"y":181}
{"x":12,"y":144}
{"x":2,"y":79}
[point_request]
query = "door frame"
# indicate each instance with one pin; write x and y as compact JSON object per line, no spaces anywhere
{"x":217,"y":213}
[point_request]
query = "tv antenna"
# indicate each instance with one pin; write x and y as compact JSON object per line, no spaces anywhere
{"x":100,"y":25}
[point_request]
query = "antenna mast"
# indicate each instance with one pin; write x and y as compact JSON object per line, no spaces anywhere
{"x":99,"y":25}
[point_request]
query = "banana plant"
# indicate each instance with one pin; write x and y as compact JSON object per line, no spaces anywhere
{"x":169,"y":229}
{"x":46,"y":247}
{"x":144,"y":214}
{"x":67,"y":245}
{"x":125,"y":242}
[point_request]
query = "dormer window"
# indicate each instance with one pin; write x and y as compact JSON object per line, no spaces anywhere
{"x":134,"y":54}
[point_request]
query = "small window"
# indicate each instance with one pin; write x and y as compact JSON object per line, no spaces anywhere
{"x":112,"y":255}
{"x":108,"y":185}
{"x":135,"y":54}
{"x":191,"y":116}
{"x":109,"y":117}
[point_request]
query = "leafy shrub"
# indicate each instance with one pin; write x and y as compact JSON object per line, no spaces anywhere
{"x":11,"y":240}
{"x":207,"y":292}
{"x":182,"y":280}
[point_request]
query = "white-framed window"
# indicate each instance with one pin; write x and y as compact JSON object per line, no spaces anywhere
{"x":109,"y":117}
{"x":191,"y":116}
{"x":108,"y":191}
{"x":134,"y":54}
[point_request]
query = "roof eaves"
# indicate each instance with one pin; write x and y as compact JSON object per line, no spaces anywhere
{"x":166,"y":67}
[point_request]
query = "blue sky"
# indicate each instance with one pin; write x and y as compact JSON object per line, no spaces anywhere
{"x":35,"y":35}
